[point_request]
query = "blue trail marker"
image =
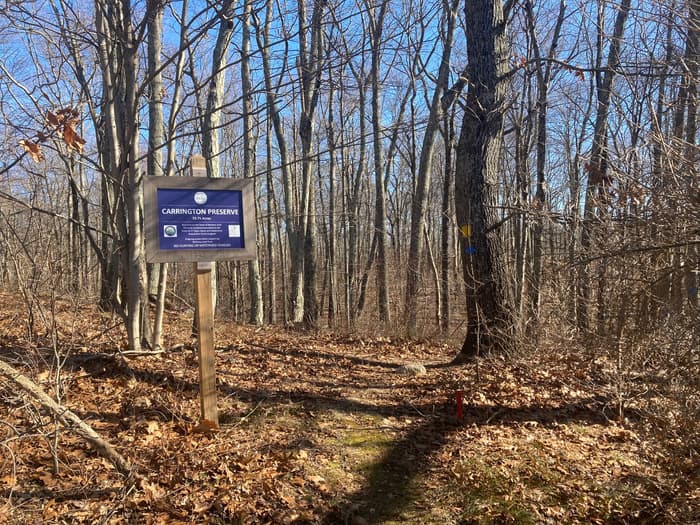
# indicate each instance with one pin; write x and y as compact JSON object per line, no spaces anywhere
{"x":692,"y":292}
{"x":470,"y":250}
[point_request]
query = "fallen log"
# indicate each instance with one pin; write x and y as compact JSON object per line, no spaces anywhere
{"x":67,"y":418}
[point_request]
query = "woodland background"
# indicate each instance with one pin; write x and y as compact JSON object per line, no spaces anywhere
{"x":564,"y":134}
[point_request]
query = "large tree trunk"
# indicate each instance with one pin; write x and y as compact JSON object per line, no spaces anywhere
{"x":310,"y":64}
{"x":108,"y":139}
{"x":489,"y":310}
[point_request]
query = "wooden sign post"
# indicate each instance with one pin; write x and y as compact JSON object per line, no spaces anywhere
{"x":205,"y":336}
{"x":200,"y":219}
{"x":204,"y":310}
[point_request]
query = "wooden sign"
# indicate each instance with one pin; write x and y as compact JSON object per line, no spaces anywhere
{"x":201,"y":220}
{"x":191,"y":219}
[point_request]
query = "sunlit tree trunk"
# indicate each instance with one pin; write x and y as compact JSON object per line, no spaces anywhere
{"x":211,"y":121}
{"x":157,"y":273}
{"x":311,"y":66}
{"x":446,"y":224}
{"x":136,"y":269}
{"x":272,"y":232}
{"x":423,"y":177}
{"x":254,"y":278}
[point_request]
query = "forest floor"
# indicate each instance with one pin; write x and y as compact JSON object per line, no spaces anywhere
{"x":322,"y":428}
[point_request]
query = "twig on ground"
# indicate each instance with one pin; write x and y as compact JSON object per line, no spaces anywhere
{"x":414,"y":408}
{"x":68,"y":419}
{"x":492,"y":416}
{"x":242,"y":420}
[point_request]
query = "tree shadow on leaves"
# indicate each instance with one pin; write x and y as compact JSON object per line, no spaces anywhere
{"x":391,"y":490}
{"x":298,"y":352}
{"x":391,"y":486}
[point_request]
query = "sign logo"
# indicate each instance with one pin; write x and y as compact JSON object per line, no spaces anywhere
{"x":169,"y":230}
{"x":200,"y":198}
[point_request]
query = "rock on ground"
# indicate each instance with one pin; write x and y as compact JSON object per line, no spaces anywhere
{"x":414,"y":369}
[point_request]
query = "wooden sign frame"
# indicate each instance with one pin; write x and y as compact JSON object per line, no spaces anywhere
{"x":154,"y":253}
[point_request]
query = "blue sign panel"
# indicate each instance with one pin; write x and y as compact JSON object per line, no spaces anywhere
{"x":200,"y":219}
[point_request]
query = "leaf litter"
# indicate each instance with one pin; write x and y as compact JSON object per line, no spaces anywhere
{"x":320,"y":428}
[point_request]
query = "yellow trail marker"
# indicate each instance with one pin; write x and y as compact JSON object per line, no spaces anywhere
{"x":466,"y":230}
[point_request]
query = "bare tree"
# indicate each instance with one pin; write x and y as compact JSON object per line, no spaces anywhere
{"x":544,"y":70}
{"x":157,"y":273}
{"x":255,"y":280}
{"x":311,"y":55}
{"x":438,"y":107}
{"x":598,"y":177}
{"x":291,"y":208}
{"x":479,"y":155}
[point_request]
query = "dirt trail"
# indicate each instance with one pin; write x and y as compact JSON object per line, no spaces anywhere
{"x":318,"y":428}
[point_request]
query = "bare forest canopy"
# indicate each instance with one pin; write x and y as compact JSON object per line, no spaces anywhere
{"x":406,"y":157}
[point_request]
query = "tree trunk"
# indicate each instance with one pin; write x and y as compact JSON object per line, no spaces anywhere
{"x":420,"y":200}
{"x":332,"y":288}
{"x":311,"y":65}
{"x":113,"y":210}
{"x":446,"y":223}
{"x":479,"y":151}
{"x":136,"y":267}
{"x":211,"y":121}
{"x":157,"y":273}
{"x":271,"y":231}
{"x":376,"y":24}
{"x":597,"y":169}
{"x":254,"y":278}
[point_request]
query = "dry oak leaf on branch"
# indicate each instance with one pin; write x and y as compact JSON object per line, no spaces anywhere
{"x":52,"y":118}
{"x":72,"y":139}
{"x":65,"y":121}
{"x":33,"y":149}
{"x":62,"y":117}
